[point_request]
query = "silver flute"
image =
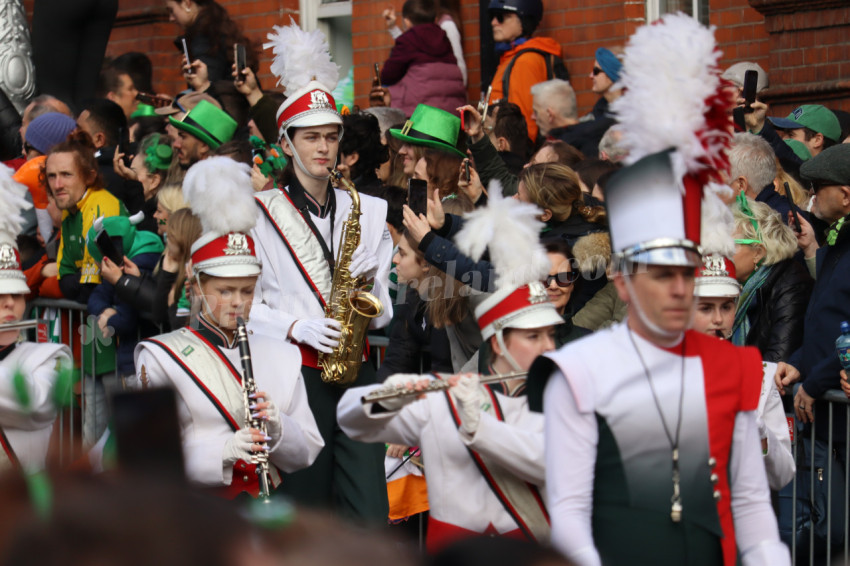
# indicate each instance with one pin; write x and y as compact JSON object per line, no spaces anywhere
{"x":18,"y":325}
{"x":439,"y":384}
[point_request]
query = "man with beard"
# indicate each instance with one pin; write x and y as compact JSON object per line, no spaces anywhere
{"x":201,"y":131}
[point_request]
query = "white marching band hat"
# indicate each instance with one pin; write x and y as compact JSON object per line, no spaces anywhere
{"x":222,"y":197}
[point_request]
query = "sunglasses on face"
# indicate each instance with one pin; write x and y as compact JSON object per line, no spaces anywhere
{"x":499,"y":15}
{"x":596,"y":71}
{"x":563,"y":279}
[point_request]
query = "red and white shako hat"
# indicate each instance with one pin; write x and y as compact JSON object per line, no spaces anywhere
{"x":716,"y":277}
{"x":510,"y":231}
{"x":222,"y":197}
{"x":303,"y":65}
{"x":525,"y":306}
{"x":12,"y":201}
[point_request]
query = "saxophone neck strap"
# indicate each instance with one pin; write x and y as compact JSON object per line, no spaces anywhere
{"x":306,"y":205}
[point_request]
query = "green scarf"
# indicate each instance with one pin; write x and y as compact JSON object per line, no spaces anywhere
{"x":833,"y":230}
{"x":742,"y":322}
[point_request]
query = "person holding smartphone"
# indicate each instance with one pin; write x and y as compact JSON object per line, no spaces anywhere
{"x":210,"y":33}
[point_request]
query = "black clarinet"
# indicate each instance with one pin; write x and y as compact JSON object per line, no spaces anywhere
{"x":249,"y":387}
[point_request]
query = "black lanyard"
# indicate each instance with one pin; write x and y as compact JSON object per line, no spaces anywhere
{"x":299,"y":198}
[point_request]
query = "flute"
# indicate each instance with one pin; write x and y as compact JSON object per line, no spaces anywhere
{"x":18,"y":325}
{"x":440,"y":384}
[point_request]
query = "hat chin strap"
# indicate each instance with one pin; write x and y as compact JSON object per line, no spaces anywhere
{"x":300,"y":164}
{"x":209,"y":311}
{"x":505,"y":354}
{"x":671,"y":336}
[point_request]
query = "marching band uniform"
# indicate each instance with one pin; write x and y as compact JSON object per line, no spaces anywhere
{"x":203,"y":365}
{"x":298,"y":240}
{"x":633,"y":410}
{"x":482,"y":448}
{"x":25,"y":429}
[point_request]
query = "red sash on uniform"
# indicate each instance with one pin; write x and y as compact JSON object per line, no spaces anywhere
{"x":497,"y":481}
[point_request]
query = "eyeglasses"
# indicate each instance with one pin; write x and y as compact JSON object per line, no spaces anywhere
{"x":563,"y":279}
{"x":596,"y":71}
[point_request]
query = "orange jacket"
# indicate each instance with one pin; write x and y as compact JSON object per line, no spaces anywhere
{"x":527,"y":71}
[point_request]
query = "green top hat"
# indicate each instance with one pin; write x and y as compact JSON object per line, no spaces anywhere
{"x":431,"y":127}
{"x":211,"y":125}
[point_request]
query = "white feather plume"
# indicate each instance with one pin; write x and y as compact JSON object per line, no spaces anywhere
{"x":510,"y":230}
{"x":669,"y":71}
{"x":221,"y":194}
{"x":718,"y":224}
{"x":12,"y":202}
{"x":301,"y":56}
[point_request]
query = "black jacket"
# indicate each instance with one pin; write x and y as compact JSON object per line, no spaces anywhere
{"x":777,"y":312}
{"x":414,"y":342}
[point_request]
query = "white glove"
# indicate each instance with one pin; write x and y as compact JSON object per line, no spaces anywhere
{"x":402,"y":381}
{"x":363,"y":263}
{"x":238,"y":447}
{"x":274,"y":427}
{"x":320,"y":333}
{"x":466,"y":393}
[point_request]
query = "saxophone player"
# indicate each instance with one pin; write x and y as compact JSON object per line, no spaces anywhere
{"x":299,"y":236}
{"x":222,"y":441}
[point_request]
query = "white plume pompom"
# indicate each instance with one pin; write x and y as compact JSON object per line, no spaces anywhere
{"x":221,"y":194}
{"x":669,"y":71}
{"x":510,"y":230}
{"x":718,"y":223}
{"x":301,"y":56}
{"x":12,"y":202}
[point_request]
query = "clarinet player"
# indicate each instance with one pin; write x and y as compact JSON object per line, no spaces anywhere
{"x":223,"y":441}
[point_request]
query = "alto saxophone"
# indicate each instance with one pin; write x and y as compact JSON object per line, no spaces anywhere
{"x":249,"y":387}
{"x":350,"y":305}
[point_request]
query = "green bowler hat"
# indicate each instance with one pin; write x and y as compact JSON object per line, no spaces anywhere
{"x":211,"y":125}
{"x":431,"y":127}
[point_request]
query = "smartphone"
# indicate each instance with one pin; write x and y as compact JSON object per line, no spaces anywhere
{"x":111,"y":247}
{"x":751,"y":79}
{"x":147,"y":433}
{"x":240,"y":57}
{"x":123,"y":146}
{"x":377,"y":79}
{"x":188,"y":60}
{"x":417,"y":196}
{"x":153,"y":100}
{"x":797,"y":226}
{"x":484,"y":104}
{"x":466,"y":174}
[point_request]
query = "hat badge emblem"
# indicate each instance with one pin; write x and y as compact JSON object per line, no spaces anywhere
{"x":8,"y":260}
{"x":537,"y":293}
{"x":237,"y":244}
{"x":319,"y":100}
{"x":714,"y":266}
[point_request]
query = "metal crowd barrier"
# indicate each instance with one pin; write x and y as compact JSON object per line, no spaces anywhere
{"x":68,"y":322}
{"x":818,"y":526}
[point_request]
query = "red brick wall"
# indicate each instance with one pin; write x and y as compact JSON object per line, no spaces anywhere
{"x":810,"y":48}
{"x":804,"y":52}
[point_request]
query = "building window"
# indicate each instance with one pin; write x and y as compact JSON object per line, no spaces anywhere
{"x":695,"y":8}
{"x":333,"y":18}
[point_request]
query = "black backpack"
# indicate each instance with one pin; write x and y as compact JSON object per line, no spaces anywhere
{"x":555,"y":68}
